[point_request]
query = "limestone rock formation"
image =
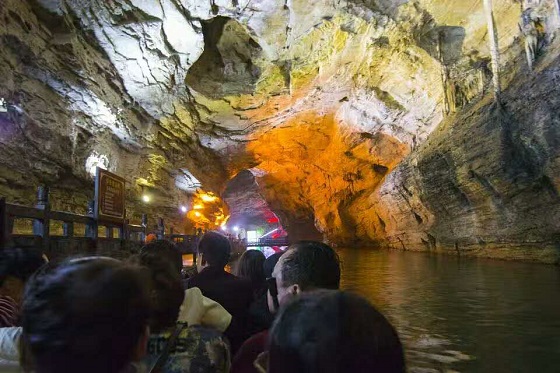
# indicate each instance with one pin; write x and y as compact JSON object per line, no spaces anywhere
{"x":366,"y":122}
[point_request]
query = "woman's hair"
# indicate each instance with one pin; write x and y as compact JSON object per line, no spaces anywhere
{"x":331,"y":331}
{"x":85,"y":315}
{"x":167,"y":292}
{"x":251,"y":266}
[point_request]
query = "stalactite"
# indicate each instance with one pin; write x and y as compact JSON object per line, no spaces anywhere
{"x":444,"y":77}
{"x":494,"y":49}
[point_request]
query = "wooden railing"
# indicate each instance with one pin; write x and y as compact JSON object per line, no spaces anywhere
{"x":42,"y":215}
{"x":261,"y":242}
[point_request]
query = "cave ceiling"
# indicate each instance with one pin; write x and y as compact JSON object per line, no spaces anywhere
{"x":323,"y":98}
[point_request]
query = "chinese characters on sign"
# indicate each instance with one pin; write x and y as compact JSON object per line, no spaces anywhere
{"x":109,"y":196}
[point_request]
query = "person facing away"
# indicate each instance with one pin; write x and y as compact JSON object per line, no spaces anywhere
{"x":193,"y":348}
{"x":305,"y":266}
{"x":16,"y":267}
{"x":196,"y":308}
{"x":260,"y":317}
{"x":332,"y":332}
{"x":251,"y":267}
{"x":85,"y":315}
{"x":233,"y":293}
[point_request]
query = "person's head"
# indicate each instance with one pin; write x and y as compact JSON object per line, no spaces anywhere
{"x":306,"y":265}
{"x":166,"y":249}
{"x":330,"y":331}
{"x":250,"y":266}
{"x":214,"y":250}
{"x":166,"y":293}
{"x":86,"y":315}
{"x":270,"y":262}
{"x":16,"y":266}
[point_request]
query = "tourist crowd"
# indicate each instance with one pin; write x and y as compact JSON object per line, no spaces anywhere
{"x":280,"y":314}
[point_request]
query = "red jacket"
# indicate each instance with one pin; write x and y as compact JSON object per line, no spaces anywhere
{"x":248,"y":353}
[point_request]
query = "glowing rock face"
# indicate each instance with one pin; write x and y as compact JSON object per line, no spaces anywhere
{"x":208,"y":211}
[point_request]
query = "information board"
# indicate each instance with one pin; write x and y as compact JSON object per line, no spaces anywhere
{"x":109,"y":196}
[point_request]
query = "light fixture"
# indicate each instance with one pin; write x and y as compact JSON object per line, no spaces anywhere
{"x":183,"y":209}
{"x":236,"y":228}
{"x":146,"y":198}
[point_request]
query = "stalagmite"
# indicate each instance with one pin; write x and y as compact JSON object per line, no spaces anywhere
{"x":494,"y":49}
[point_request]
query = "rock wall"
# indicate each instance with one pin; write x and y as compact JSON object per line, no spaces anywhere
{"x":332,"y":105}
{"x":486,"y":182}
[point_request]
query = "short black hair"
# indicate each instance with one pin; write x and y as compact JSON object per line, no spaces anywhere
{"x":20,"y":263}
{"x":85,"y":315}
{"x":331,"y":331}
{"x":270,"y":263}
{"x":215,"y":248}
{"x":167,"y":292}
{"x":311,"y":265}
{"x":167,"y":250}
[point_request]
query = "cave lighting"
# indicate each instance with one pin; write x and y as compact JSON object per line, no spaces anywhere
{"x":272,"y":231}
{"x":224,"y":228}
{"x":208,"y":197}
{"x":198,"y":206}
{"x":197,"y":214}
{"x":236,"y":228}
{"x":183,"y":209}
{"x":146,"y":198}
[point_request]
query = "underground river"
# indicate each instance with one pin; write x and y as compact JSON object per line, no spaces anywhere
{"x":462,"y":314}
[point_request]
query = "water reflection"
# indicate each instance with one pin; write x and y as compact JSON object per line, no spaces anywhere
{"x":467,"y":315}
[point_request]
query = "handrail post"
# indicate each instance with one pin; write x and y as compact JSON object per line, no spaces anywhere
{"x":3,"y":230}
{"x":41,"y":227}
{"x":91,"y":228}
{"x":160,"y":229}
{"x":125,"y":231}
{"x":145,"y":226}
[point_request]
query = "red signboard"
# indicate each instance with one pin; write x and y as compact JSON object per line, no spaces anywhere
{"x":109,"y":196}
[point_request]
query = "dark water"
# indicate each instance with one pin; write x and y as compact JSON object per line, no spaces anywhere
{"x":463,"y":315}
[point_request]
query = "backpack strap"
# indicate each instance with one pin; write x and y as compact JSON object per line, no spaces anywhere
{"x":162,"y":358}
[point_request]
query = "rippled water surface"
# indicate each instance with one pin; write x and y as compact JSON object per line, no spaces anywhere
{"x":463,"y":315}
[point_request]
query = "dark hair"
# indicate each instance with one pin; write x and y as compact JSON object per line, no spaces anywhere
{"x":167,"y":292}
{"x":167,"y":250}
{"x":250,"y":266}
{"x":20,"y":263}
{"x":270,"y":262}
{"x":330,"y":331}
{"x":215,"y":248}
{"x":85,"y":315}
{"x":311,"y":264}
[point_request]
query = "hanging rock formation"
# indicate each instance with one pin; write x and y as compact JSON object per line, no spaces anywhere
{"x":337,"y":107}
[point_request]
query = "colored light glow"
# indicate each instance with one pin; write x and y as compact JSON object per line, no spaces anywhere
{"x":208,"y":197}
{"x":236,"y":228}
{"x":272,"y":231}
{"x":183,"y":209}
{"x":224,"y":228}
{"x":146,"y":198}
{"x":198,"y":206}
{"x":197,"y":214}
